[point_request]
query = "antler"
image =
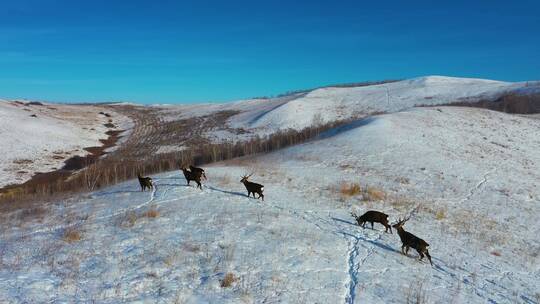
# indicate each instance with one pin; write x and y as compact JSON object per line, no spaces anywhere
{"x":404,"y":220}
{"x":247,"y":176}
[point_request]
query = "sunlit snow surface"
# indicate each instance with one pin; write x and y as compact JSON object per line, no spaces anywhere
{"x":467,"y":177}
{"x":40,"y":137}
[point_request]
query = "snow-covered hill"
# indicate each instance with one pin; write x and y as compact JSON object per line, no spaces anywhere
{"x":297,"y":111}
{"x":466,"y":177}
{"x":39,"y":137}
{"x":58,"y":132}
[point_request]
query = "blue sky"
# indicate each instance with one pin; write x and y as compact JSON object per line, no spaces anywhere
{"x":184,"y":51}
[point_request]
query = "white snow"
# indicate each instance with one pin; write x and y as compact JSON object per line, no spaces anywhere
{"x":43,"y":143}
{"x":265,"y":116}
{"x":467,"y":177}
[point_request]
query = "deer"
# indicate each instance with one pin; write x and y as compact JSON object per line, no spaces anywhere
{"x":200,"y":170}
{"x":146,"y":182}
{"x":410,"y":240}
{"x":373,"y":216}
{"x":192,"y":176}
{"x":252,"y":187}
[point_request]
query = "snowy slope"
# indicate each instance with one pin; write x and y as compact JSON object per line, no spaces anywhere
{"x":467,"y":177}
{"x":470,"y":179}
{"x":264,"y":116}
{"x":42,"y":143}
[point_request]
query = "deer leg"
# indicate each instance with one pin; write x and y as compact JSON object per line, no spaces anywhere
{"x":261,"y":196}
{"x":403,"y":249}
{"x":429,"y":257}
{"x":420,"y":253}
{"x":371,"y":225}
{"x":407,"y":250}
{"x":199,"y":185}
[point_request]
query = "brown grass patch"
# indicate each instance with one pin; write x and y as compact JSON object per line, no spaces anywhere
{"x":440,"y":214}
{"x":71,"y":235}
{"x":402,"y":203}
{"x":228,"y":280}
{"x":152,"y":213}
{"x":368,"y":193}
{"x":36,"y":212}
{"x":191,"y":247}
{"x":345,"y":167}
{"x":350,"y":189}
{"x":374,"y":194}
{"x":129,"y":219}
{"x":495,"y":253}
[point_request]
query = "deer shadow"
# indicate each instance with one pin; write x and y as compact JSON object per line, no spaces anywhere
{"x":373,"y":242}
{"x":343,"y":221}
{"x":172,"y":185}
{"x":171,"y":178}
{"x":227,"y":192}
{"x":116,"y":192}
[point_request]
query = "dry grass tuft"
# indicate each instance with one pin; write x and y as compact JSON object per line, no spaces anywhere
{"x":374,"y":194}
{"x":71,"y":235}
{"x":496,"y":253}
{"x":368,"y":193}
{"x":191,"y":247}
{"x":37,"y":212}
{"x":440,"y":214}
{"x":416,"y":293}
{"x":402,"y":203}
{"x":228,"y":280}
{"x":128,"y":220}
{"x":351,"y":189}
{"x":152,"y":213}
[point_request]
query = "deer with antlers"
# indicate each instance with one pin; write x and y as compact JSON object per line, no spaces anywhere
{"x":410,"y":240}
{"x":192,"y":176}
{"x":252,"y":187}
{"x":145,"y":182}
